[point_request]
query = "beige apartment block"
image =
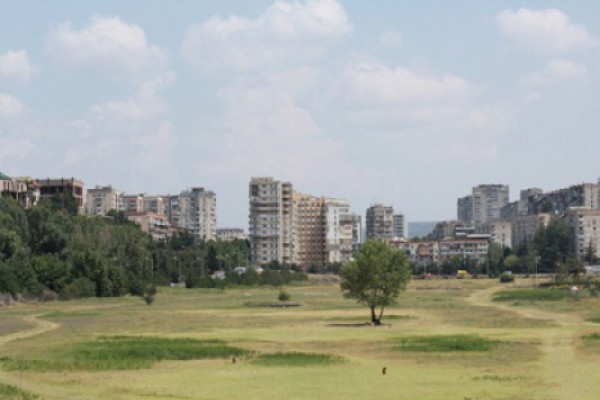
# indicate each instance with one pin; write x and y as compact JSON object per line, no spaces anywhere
{"x":101,"y":199}
{"x":270,"y":220}
{"x":500,"y":232}
{"x":585,"y":225}
{"x":132,"y":203}
{"x":308,"y":230}
{"x":19,"y":191}
{"x":525,"y":227}
{"x":230,"y":234}
{"x":155,"y":225}
{"x":155,"y":204}
{"x":198,"y":212}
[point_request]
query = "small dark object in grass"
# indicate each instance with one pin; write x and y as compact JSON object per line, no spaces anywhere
{"x":384,"y":370}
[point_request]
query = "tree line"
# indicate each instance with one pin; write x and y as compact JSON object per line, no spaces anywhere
{"x":51,"y":251}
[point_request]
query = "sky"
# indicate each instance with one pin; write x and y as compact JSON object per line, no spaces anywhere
{"x":408,"y":104}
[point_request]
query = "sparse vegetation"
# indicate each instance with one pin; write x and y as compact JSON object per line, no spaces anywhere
{"x":296,"y":359}
{"x":10,"y":392}
{"x":445,"y":343}
{"x":124,"y":352}
{"x":534,"y":295}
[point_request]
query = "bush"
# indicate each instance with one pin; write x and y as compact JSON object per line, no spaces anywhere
{"x":79,"y":288}
{"x":283,"y":296}
{"x":149,"y":293}
{"x":507,"y":277}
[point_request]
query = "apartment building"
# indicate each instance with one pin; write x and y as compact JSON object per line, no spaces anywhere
{"x":338,"y":230}
{"x":198,"y":212}
{"x":524,"y":228}
{"x":400,"y":226}
{"x":500,"y":232}
{"x":586,"y":195}
{"x":585,"y":225}
{"x":155,"y":225}
{"x":19,"y":191}
{"x":155,"y":204}
{"x":464,"y":209}
{"x":270,"y":220}
{"x":308,"y":229}
{"x":380,"y":222}
{"x":488,"y":200}
{"x":101,"y":199}
{"x":132,"y":203}
{"x":58,"y":187}
{"x":229,"y":234}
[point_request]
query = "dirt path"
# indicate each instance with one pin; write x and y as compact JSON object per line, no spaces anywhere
{"x":16,"y":379}
{"x":565,"y":376}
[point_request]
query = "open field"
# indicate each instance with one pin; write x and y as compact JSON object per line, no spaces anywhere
{"x":447,"y":339}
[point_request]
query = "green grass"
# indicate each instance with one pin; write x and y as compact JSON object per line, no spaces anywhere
{"x":124,"y":352}
{"x":445,"y":343}
{"x":595,"y":320}
{"x":531,"y":295}
{"x":64,"y":314}
{"x":296,"y":359}
{"x":593,"y":337}
{"x":9,"y":392}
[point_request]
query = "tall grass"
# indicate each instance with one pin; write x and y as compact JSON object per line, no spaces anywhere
{"x":534,"y":295}
{"x":125,"y":352}
{"x":9,"y":392}
{"x":445,"y":343}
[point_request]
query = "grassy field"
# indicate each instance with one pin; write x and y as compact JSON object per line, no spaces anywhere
{"x":446,"y":339}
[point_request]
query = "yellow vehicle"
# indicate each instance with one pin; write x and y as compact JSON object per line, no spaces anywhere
{"x":462,"y":274}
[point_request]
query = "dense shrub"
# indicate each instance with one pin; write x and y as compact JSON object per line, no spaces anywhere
{"x":79,"y":288}
{"x":507,"y":277}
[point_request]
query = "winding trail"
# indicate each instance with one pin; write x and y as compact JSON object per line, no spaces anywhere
{"x":565,"y":376}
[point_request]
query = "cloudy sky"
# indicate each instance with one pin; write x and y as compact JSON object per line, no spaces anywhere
{"x":405,"y":103}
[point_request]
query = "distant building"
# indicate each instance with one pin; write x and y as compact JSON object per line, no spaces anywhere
{"x":524,"y":228}
{"x":586,"y":195}
{"x":155,"y":204}
{"x":400,"y":227}
{"x":58,"y":187}
{"x":198,"y":212}
{"x":380,"y":222}
{"x":488,"y":200}
{"x":155,"y":225}
{"x":229,"y":234}
{"x":19,"y":191}
{"x":270,"y":220}
{"x":101,"y":199}
{"x":452,"y":229}
{"x":132,"y":203}
{"x":500,"y":232}
{"x":357,"y":238}
{"x":585,"y":225}
{"x":308,"y":230}
{"x":464,"y":209}
{"x":338,"y":230}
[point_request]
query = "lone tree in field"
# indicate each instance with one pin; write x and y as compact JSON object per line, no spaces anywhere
{"x":376,"y":277}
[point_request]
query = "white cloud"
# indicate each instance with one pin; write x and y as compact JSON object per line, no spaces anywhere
{"x":109,"y":44}
{"x":286,"y":33}
{"x":14,"y":148}
{"x":10,"y":106}
{"x":15,"y":65}
{"x":373,"y":84}
{"x":557,"y":71}
{"x":391,"y":39}
{"x":548,"y":31}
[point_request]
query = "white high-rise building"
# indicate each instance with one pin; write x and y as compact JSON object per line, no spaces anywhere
{"x":338,"y":230}
{"x":270,"y":220}
{"x":198,"y":212}
{"x":488,"y":200}
{"x":400,"y":227}
{"x":101,"y":199}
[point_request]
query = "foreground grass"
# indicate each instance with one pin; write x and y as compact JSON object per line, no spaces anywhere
{"x":321,"y":349}
{"x":122,"y":352}
{"x":10,"y":392}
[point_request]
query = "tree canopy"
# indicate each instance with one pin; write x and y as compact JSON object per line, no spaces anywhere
{"x":376,"y":277}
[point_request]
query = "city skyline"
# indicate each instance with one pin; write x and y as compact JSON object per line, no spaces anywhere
{"x":408,"y":105}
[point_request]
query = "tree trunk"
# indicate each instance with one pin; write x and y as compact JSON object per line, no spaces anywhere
{"x":374,"y":319}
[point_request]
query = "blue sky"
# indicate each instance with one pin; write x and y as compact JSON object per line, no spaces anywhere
{"x":405,"y":103}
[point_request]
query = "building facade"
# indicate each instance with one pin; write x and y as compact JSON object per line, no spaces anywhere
{"x":198,"y":212}
{"x":380,"y":222}
{"x":101,"y":199}
{"x":488,"y":200}
{"x":270,"y":220}
{"x":59,"y":187}
{"x":400,"y":227}
{"x":585,"y":226}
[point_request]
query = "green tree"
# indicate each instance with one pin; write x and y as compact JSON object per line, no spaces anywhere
{"x":553,"y":244}
{"x":376,"y":277}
